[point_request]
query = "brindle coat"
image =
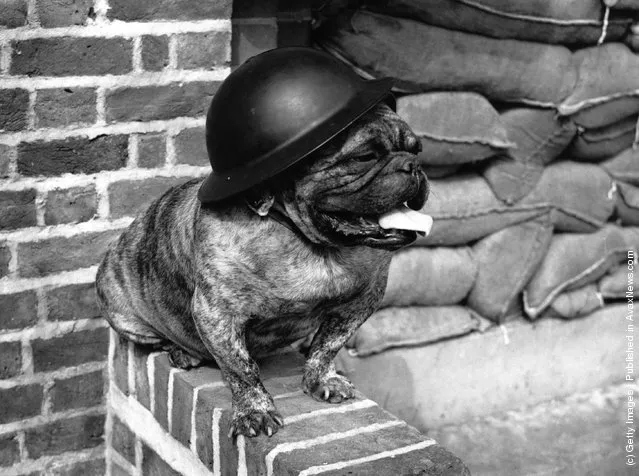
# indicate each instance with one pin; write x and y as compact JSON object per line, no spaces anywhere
{"x":222,"y":282}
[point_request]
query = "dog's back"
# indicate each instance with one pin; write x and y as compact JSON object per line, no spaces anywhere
{"x":145,"y":278}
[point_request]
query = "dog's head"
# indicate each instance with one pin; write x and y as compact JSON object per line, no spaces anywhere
{"x":337,"y":195}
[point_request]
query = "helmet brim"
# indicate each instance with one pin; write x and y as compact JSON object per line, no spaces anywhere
{"x":217,"y":187}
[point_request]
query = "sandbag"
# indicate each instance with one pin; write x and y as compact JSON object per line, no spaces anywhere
{"x":427,"y":58}
{"x":464,"y":209}
{"x":575,"y":22}
{"x":440,"y":171}
{"x":454,"y":127}
{"x":607,"y":73}
{"x":627,"y":204}
{"x":606,"y":113}
{"x":595,"y":145}
{"x":614,"y":285}
{"x":572,"y":261}
{"x":539,"y":136}
{"x":409,"y":326}
{"x":506,"y":261}
{"x":576,"y":303}
{"x":624,"y":167}
{"x":429,"y":277}
{"x":581,"y":196}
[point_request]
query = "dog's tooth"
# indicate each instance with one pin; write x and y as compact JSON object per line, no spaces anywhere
{"x":406,"y":219}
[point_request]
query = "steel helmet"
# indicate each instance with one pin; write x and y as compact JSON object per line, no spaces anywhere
{"x":277,"y":108}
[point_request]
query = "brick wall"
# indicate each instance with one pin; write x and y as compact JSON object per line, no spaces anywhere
{"x":102,"y":107}
{"x":166,"y":421}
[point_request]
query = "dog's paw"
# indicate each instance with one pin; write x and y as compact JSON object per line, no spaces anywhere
{"x":181,"y":359}
{"x":334,"y":389}
{"x":255,"y":422}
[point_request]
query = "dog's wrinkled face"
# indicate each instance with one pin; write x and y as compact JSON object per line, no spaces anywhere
{"x":337,"y":195}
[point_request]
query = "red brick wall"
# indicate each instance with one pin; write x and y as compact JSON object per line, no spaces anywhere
{"x":102,"y":107}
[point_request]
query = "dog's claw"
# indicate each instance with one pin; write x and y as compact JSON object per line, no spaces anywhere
{"x":254,"y":423}
{"x":334,"y":389}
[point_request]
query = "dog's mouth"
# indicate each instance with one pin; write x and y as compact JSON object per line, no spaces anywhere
{"x":389,"y":229}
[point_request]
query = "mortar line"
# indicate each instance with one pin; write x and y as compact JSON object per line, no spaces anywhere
{"x":67,"y":372}
{"x":48,"y":331}
{"x":137,"y":54}
{"x":31,"y":114}
{"x":117,"y":29}
{"x":100,"y":107}
{"x":146,"y":78}
{"x":101,"y":128}
{"x":5,"y":56}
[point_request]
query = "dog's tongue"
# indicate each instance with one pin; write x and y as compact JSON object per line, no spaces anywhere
{"x":406,"y":219}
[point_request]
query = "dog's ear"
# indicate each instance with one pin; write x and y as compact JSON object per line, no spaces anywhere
{"x":260,"y":200}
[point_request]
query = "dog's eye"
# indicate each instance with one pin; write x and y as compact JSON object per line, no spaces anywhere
{"x":365,"y":158}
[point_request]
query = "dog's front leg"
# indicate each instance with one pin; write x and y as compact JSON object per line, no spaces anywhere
{"x":222,"y":328}
{"x":320,"y":380}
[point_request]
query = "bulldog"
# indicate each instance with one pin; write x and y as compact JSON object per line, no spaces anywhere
{"x":304,"y":253}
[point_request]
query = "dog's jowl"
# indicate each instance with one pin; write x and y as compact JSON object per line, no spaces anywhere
{"x":301,"y":250}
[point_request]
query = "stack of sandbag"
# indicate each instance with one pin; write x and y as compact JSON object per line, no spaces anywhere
{"x":527,"y":112}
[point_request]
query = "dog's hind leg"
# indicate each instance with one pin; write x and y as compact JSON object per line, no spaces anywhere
{"x":134,"y":329}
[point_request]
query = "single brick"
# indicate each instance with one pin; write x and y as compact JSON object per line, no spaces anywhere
{"x":83,"y":468}
{"x":130,"y":197}
{"x":361,"y":445}
{"x":67,"y":56}
{"x":10,"y":359}
{"x":203,"y":50}
{"x":17,"y":209}
{"x":81,"y":391}
{"x":250,"y":39}
{"x":38,"y":258}
{"x":181,"y":410}
{"x":76,"y":301}
{"x":161,"y":381}
{"x":5,"y":258}
{"x":13,"y":13}
{"x":19,"y":310}
{"x":9,"y":449}
{"x":6,"y":155}
{"x":20,"y":402}
{"x":153,"y":464}
{"x":13,"y":109}
{"x":121,"y":364}
{"x":151,"y":150}
{"x":159,"y":102}
{"x":168,"y":10}
{"x":72,"y":205}
{"x":52,"y":13}
{"x":155,"y":52}
{"x":72,"y":434}
{"x":74,"y":155}
{"x":140,"y":355}
{"x":71,"y":349}
{"x":123,"y":440}
{"x":63,"y":107}
{"x":190,"y":147}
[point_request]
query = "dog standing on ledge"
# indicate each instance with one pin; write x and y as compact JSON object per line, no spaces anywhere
{"x":226,"y":282}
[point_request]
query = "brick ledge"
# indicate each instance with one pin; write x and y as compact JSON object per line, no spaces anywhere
{"x":163,"y":420}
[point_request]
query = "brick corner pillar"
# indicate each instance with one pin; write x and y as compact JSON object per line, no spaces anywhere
{"x":162,"y":420}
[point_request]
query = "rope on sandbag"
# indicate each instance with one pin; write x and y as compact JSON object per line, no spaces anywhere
{"x":604,"y":27}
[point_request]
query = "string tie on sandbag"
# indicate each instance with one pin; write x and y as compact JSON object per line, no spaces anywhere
{"x":604,"y":27}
